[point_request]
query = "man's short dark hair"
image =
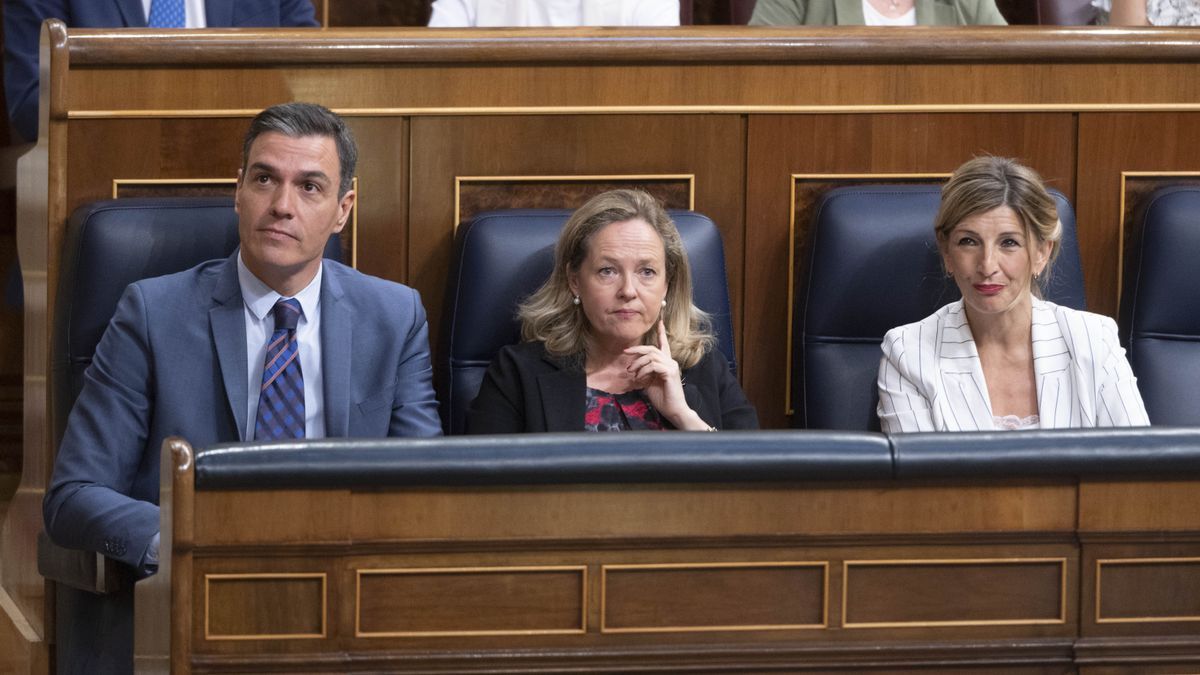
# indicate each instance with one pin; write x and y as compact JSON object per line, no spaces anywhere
{"x":295,"y":120}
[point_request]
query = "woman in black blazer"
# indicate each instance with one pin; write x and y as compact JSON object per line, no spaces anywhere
{"x":612,"y":340}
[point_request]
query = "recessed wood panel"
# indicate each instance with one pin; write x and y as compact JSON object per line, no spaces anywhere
{"x":476,"y":194}
{"x":665,"y":598}
{"x":264,"y":606}
{"x":954,"y":592}
{"x":1149,"y":590}
{"x":471,"y":601}
{"x":1112,"y":145}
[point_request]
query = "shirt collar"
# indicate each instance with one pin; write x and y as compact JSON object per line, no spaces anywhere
{"x":260,"y":298}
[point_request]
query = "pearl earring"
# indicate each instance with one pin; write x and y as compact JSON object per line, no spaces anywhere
{"x":664,"y":302}
{"x":575,"y":301}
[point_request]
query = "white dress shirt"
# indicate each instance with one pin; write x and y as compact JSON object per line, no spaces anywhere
{"x":516,"y":13}
{"x":258,"y":301}
{"x":193,"y":10}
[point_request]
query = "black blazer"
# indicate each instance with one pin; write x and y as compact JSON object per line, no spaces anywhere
{"x":527,"y":390}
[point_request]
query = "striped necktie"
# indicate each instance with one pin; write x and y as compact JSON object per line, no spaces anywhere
{"x":281,"y":399}
{"x":166,"y":14}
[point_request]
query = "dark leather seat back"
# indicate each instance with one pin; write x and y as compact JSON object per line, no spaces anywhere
{"x":111,"y":244}
{"x":500,"y":257}
{"x":1160,"y":305}
{"x":873,"y":264}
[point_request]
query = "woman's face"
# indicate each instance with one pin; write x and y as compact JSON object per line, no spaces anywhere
{"x":622,"y":282}
{"x":993,"y":260}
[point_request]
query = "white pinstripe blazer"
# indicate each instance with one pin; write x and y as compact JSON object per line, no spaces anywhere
{"x":930,"y":378}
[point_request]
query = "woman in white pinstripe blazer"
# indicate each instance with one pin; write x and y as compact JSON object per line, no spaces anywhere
{"x":1002,"y":358}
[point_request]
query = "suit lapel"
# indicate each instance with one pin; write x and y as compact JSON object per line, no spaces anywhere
{"x":966,"y":405}
{"x":1052,"y":371}
{"x":132,"y":13}
{"x":848,"y":13}
{"x":564,"y":395}
{"x":337,"y":326}
{"x":228,"y":324}
{"x":936,"y":13}
{"x":218,"y":13}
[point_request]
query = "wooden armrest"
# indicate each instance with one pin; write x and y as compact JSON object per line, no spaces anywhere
{"x":85,"y":570}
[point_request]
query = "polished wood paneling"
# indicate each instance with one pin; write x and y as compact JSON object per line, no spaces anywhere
{"x":285,"y":515}
{"x":471,"y":601}
{"x":1111,"y":144}
{"x":997,"y":592}
{"x":746,"y":584}
{"x":1159,"y":505}
{"x":698,"y":597}
{"x":1148,"y":590}
{"x":446,"y":148}
{"x":264,"y":606}
{"x":815,"y":509}
{"x":867,"y":145}
{"x":694,"y":44}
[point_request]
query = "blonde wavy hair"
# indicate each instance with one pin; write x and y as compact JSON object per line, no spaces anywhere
{"x":549,"y":315}
{"x":984,"y":183}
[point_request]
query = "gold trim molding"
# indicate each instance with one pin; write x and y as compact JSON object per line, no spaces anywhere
{"x":1114,"y":562}
{"x":823,"y":565}
{"x":1062,"y":600}
{"x":360,"y":573}
{"x":436,"y":111}
{"x":209,"y":635}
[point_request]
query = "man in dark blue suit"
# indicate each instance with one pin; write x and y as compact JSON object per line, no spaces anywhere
{"x":23,"y":28}
{"x":207,"y":354}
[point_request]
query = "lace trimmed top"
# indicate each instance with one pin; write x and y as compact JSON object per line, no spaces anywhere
{"x":1014,"y":423}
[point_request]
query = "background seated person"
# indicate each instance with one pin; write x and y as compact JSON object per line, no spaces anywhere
{"x":1149,"y":12}
{"x":1002,"y":358}
{"x":468,"y":13}
{"x":23,"y":29}
{"x":876,"y":13}
{"x":612,"y":340}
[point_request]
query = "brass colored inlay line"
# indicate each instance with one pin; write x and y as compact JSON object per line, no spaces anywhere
{"x":1116,"y":562}
{"x":1062,"y":600}
{"x":208,"y":578}
{"x":435,"y":111}
{"x":823,"y":565}
{"x":393,"y":571}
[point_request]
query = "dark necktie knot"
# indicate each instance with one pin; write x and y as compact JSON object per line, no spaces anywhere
{"x":287,"y":314}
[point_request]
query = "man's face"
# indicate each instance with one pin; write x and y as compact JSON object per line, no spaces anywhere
{"x":288,"y":206}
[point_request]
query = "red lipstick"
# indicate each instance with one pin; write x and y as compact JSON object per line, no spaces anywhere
{"x":988,"y":289}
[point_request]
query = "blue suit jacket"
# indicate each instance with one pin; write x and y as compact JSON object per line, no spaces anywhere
{"x":23,"y":28}
{"x":173,"y":362}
